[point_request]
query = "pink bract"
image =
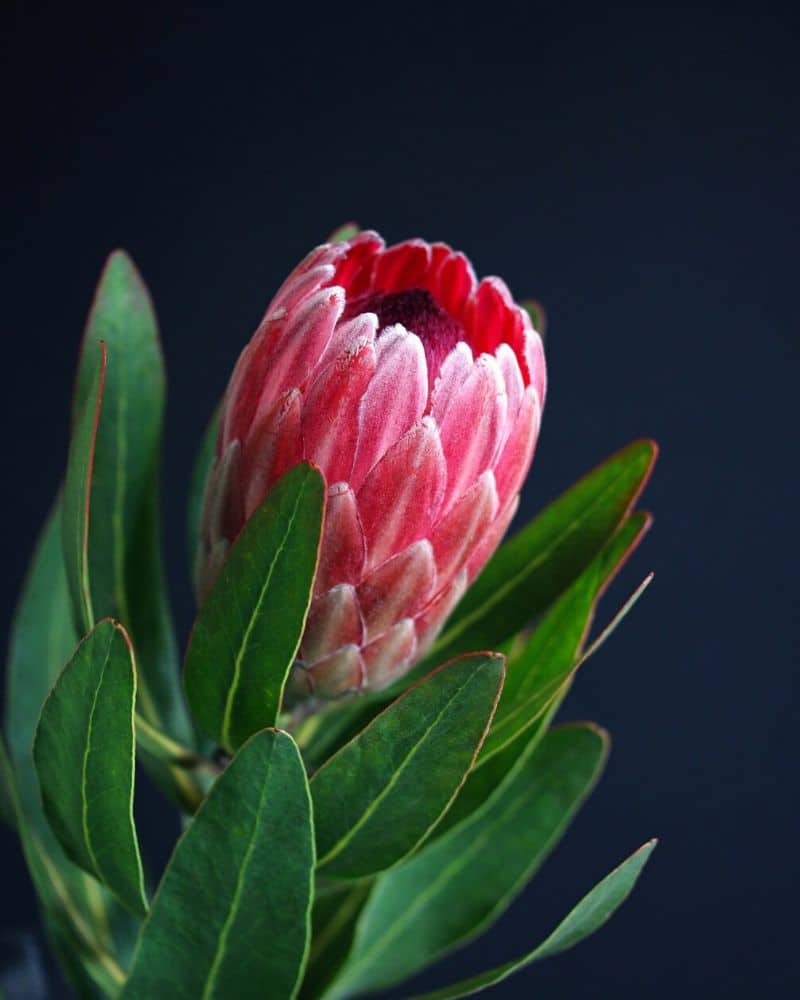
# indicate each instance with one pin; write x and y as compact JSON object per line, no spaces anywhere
{"x":418,"y":392}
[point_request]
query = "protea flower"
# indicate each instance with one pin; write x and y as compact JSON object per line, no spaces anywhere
{"x":418,"y":392}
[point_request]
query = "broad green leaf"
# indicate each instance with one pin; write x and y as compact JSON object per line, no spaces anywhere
{"x":248,"y":629}
{"x":84,"y":755}
{"x":527,"y":573}
{"x":588,"y":916}
{"x":231,"y":917}
{"x":125,"y":575}
{"x":378,"y":798}
{"x":129,"y":431}
{"x":110,"y":522}
{"x":42,"y":639}
{"x":77,"y":494}
{"x":333,"y":924}
{"x":519,"y":583}
{"x":457,"y":886}
{"x":200,"y":472}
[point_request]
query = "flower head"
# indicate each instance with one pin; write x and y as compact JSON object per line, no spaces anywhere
{"x":417,"y":391}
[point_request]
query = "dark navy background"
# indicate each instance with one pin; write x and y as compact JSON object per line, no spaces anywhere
{"x":635,"y":170}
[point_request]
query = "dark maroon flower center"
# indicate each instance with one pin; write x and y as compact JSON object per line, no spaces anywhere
{"x":419,"y":312}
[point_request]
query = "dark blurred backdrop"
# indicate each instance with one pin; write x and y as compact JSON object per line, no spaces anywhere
{"x":636,"y":170}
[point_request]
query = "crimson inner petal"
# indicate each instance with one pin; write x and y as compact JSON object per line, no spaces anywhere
{"x":420,"y":313}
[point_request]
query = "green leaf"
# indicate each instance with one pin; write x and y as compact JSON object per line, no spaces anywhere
{"x":248,"y":630}
{"x":378,"y":798}
{"x":588,"y":916}
{"x":110,"y":523}
{"x":84,"y":755}
{"x":42,"y":639}
{"x":78,"y":913}
{"x":231,"y":917}
{"x":124,"y":553}
{"x":77,"y":495}
{"x":457,"y":886}
{"x":333,"y":923}
{"x":527,"y":573}
{"x":129,"y":431}
{"x":200,"y":472}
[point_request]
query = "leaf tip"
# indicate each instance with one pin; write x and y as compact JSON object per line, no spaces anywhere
{"x":120,"y":261}
{"x":650,"y":448}
{"x":347,"y":231}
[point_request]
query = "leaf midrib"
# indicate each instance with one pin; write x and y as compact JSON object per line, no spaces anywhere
{"x":86,"y":754}
{"x":237,"y":663}
{"x":399,"y":771}
{"x":222,"y":940}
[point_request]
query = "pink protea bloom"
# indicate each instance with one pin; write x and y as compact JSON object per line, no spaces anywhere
{"x":418,"y":392}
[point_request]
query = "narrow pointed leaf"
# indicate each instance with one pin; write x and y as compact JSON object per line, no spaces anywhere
{"x":231,"y":917}
{"x":458,"y":885}
{"x":608,"y":630}
{"x":79,"y":913}
{"x":588,"y":916}
{"x":77,"y":494}
{"x":43,"y":638}
{"x":125,"y":575}
{"x":84,"y":755}
{"x":378,"y":798}
{"x":248,"y":629}
{"x":533,"y":567}
{"x":128,"y":434}
{"x":551,"y":653}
